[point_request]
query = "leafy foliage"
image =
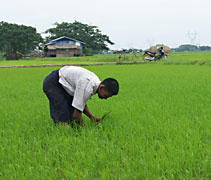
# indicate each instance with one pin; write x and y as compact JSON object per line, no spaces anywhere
{"x":16,"y":38}
{"x":91,"y":35}
{"x":189,"y":47}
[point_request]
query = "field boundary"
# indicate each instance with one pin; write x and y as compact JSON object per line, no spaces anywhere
{"x":72,"y":64}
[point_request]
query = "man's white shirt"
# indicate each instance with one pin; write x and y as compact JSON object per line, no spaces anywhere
{"x":79,"y":83}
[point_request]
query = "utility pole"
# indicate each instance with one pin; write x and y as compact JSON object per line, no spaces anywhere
{"x":192,"y":37}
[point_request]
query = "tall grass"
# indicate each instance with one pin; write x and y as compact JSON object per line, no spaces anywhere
{"x":200,"y":58}
{"x":159,"y":127}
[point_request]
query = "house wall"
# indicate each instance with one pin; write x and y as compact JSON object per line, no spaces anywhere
{"x":63,"y":53}
{"x":67,"y":52}
{"x":51,"y":52}
{"x":77,"y":52}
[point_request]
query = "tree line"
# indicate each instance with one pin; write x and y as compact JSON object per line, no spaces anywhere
{"x":16,"y":40}
{"x":20,"y":39}
{"x":189,"y":47}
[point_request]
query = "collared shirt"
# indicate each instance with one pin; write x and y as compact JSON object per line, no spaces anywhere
{"x":79,"y":83}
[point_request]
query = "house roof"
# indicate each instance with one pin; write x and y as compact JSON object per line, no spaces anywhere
{"x":65,"y":37}
{"x":54,"y":47}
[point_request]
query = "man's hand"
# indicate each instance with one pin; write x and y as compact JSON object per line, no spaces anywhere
{"x":77,"y":116}
{"x":90,"y":115}
{"x":80,"y":121}
{"x":96,"y":119}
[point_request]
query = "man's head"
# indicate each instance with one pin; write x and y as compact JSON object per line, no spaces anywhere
{"x":107,"y":88}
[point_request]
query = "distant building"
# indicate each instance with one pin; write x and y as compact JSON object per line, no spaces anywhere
{"x":65,"y":47}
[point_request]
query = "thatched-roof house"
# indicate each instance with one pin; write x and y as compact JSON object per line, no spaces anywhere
{"x":65,"y":47}
{"x":166,"y":49}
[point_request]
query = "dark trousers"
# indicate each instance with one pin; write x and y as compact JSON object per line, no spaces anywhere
{"x":60,"y":101}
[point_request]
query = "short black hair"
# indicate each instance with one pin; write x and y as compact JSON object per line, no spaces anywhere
{"x":111,"y":85}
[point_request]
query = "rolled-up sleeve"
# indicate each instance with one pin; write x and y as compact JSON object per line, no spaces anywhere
{"x":81,"y":95}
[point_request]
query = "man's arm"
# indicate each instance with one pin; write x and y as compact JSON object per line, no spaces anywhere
{"x":77,"y":115}
{"x":88,"y":113}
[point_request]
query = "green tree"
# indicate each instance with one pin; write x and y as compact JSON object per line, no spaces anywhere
{"x":186,"y":47}
{"x":91,"y":35}
{"x":15,"y":39}
{"x":205,"y":48}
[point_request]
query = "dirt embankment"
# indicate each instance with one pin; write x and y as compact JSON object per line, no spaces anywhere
{"x":70,"y":64}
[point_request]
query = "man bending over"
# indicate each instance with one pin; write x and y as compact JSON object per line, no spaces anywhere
{"x":68,"y":90}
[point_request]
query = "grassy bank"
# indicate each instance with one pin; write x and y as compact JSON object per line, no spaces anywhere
{"x":200,"y":58}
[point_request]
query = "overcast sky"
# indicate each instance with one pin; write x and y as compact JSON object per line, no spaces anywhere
{"x":128,"y":23}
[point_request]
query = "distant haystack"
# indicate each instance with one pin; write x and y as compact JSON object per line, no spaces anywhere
{"x":166,"y":49}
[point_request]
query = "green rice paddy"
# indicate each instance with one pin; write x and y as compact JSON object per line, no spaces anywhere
{"x":159,"y":126}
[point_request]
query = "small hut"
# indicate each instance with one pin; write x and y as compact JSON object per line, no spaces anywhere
{"x":166,"y":49}
{"x":13,"y":56}
{"x":65,"y":47}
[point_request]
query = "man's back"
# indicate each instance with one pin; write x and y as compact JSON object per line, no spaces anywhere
{"x":79,"y":83}
{"x":74,"y":73}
